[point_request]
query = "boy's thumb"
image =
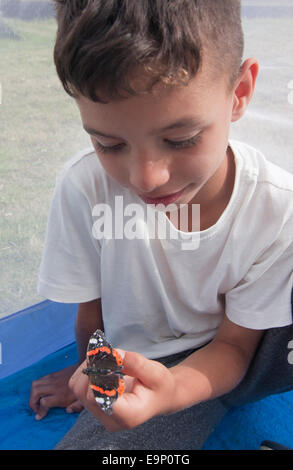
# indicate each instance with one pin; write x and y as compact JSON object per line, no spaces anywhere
{"x":149,"y":372}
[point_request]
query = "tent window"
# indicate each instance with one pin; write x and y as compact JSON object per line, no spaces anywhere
{"x":40,"y":125}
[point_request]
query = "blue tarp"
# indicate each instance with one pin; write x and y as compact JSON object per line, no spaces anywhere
{"x":18,"y":428}
{"x":49,"y":324}
{"x":33,"y":333}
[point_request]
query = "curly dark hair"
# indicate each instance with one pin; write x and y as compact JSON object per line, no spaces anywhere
{"x":101,"y":44}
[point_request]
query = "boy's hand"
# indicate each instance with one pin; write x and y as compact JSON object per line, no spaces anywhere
{"x":149,"y":388}
{"x":51,"y":391}
{"x":152,"y":389}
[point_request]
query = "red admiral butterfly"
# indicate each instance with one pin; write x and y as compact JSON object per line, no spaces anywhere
{"x":104,"y":366}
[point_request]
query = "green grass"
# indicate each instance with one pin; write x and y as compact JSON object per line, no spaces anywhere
{"x":40,"y":129}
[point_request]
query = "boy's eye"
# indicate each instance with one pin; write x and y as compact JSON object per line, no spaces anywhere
{"x":109,"y":148}
{"x":174,"y":144}
{"x":181,"y":144}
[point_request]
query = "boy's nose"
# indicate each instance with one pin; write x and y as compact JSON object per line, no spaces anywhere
{"x":149,"y":175}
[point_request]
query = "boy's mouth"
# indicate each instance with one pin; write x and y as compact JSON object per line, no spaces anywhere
{"x":168,"y":199}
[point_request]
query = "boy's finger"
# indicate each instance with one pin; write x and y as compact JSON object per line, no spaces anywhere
{"x":75,"y":407}
{"x":42,"y":410}
{"x":149,"y":372}
{"x":37,"y":392}
{"x":79,"y":382}
{"x":41,"y":414}
{"x":77,"y":374}
{"x":45,"y":404}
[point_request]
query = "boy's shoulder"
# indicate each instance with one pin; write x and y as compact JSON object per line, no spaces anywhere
{"x":265,"y":190}
{"x":85,"y":172}
{"x":256,"y":165}
{"x":85,"y":159}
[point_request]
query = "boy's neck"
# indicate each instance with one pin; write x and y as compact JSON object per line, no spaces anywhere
{"x":215,"y":194}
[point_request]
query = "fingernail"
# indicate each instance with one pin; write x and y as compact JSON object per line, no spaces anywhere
{"x":69,"y":410}
{"x":38,"y":417}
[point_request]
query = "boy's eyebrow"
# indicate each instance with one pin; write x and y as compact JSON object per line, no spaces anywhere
{"x":186,"y":122}
{"x":98,"y":133}
{"x":190,"y":122}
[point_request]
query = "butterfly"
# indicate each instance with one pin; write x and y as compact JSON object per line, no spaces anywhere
{"x":104,"y":365}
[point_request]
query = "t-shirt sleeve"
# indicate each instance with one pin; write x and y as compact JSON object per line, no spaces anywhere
{"x":70,"y":266}
{"x":262,"y":299}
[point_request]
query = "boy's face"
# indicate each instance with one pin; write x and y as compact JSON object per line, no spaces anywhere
{"x":173,"y":140}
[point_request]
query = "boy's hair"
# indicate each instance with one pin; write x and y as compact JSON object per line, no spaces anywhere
{"x":102,"y":44}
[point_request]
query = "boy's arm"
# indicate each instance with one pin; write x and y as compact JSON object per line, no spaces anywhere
{"x":218,"y":367}
{"x":88,"y":319}
{"x":52,"y":390}
{"x":208,"y":373}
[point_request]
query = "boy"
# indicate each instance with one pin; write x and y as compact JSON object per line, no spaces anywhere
{"x":157,"y":84}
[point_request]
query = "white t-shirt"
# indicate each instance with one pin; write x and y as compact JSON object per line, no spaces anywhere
{"x":159,"y":297}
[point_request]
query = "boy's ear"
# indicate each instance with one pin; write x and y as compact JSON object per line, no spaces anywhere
{"x":244,"y":88}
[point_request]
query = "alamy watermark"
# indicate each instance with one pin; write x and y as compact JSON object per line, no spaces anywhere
{"x":135,"y":221}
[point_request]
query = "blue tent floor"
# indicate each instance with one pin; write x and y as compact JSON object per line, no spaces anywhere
{"x":243,"y":428}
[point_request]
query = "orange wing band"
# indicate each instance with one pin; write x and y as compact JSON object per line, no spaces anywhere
{"x":109,"y":393}
{"x":92,"y":352}
{"x":117,"y":357}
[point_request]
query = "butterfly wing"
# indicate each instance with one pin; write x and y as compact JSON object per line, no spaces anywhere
{"x":106,"y":390}
{"x":104,"y":366}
